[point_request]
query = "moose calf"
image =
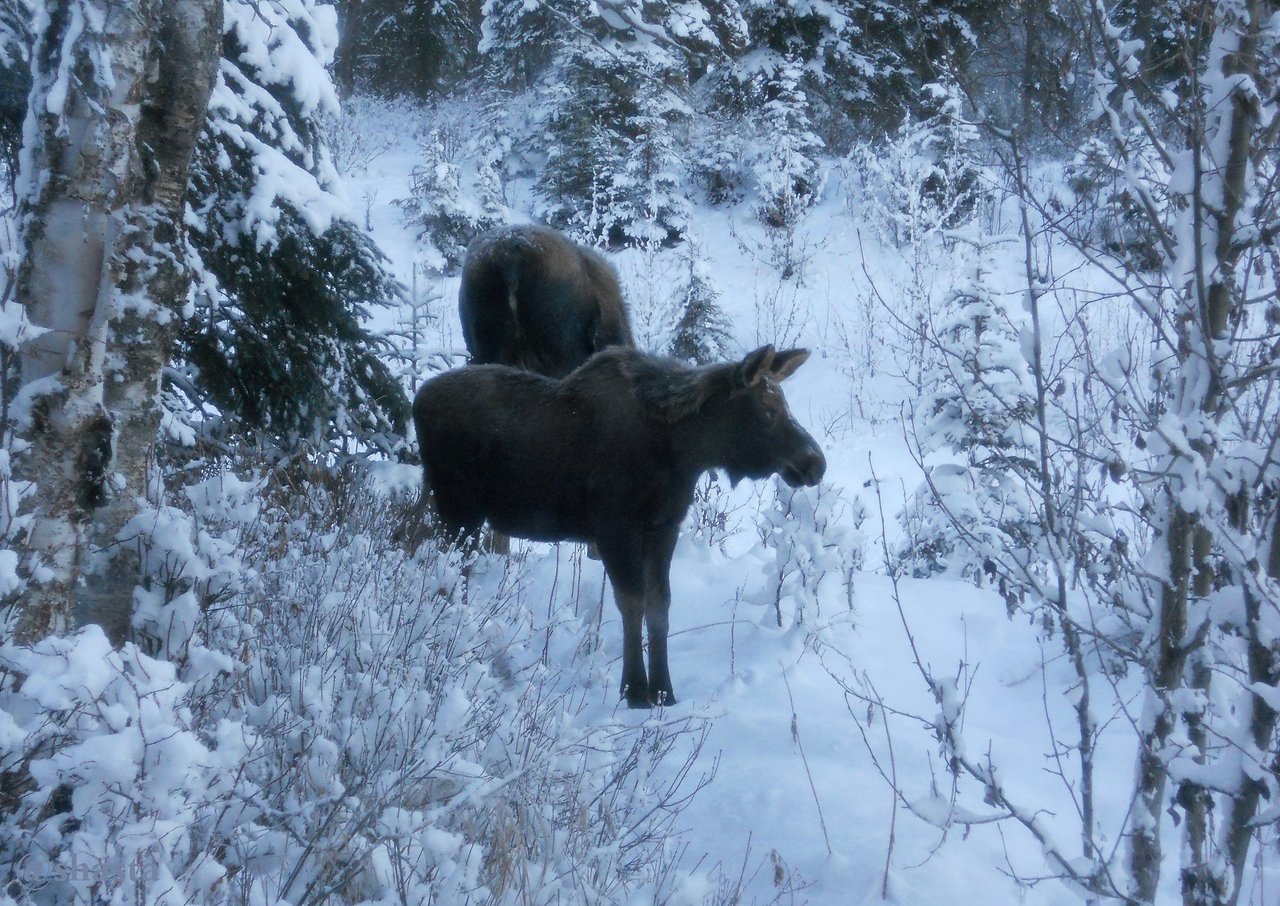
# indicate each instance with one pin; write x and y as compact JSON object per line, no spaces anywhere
{"x":609,"y":455}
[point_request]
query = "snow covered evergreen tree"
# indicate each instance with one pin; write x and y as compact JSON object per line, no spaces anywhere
{"x":702,"y":335}
{"x":862,"y":62}
{"x":491,"y":154}
{"x":612,"y":118}
{"x":718,"y":154}
{"x":416,"y":47}
{"x":414,"y":319}
{"x":822,"y":38}
{"x":788,"y":175}
{"x":518,"y":39}
{"x":277,"y":345}
{"x":646,"y":194}
{"x":922,"y":178}
{"x":447,"y":217}
{"x":15,"y":82}
{"x":968,"y":514}
{"x":616,"y":111}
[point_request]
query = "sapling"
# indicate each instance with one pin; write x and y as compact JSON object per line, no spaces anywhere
{"x":810,"y":534}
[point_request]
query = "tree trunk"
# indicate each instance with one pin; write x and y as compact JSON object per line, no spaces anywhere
{"x":1221,"y":142}
{"x":344,"y":60}
{"x":1260,"y":718}
{"x":118,"y":98}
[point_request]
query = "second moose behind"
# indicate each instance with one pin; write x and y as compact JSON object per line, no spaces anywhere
{"x":532,"y":298}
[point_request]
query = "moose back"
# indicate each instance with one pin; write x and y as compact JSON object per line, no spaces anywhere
{"x":608,"y":455}
{"x":532,"y":298}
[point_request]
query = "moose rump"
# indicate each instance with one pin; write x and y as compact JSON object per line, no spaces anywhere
{"x":532,"y":298}
{"x":608,"y":455}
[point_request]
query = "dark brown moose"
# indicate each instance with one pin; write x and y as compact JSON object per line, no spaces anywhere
{"x":531,"y":298}
{"x":609,"y":454}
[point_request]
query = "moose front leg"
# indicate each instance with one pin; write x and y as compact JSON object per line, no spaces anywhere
{"x":624,"y":564}
{"x":635,"y":683}
{"x":658,"y":549}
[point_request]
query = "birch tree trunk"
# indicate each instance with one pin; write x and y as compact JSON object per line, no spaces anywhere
{"x":1220,"y":144}
{"x":119,"y":94}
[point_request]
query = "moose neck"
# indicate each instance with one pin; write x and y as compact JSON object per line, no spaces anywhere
{"x":702,"y":442}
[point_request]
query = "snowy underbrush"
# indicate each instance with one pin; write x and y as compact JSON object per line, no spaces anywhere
{"x":811,"y":538}
{"x":312,"y":716}
{"x":368,"y":128}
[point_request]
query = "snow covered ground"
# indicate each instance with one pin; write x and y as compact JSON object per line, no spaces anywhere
{"x":801,"y":807}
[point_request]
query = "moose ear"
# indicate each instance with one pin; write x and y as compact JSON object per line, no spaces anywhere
{"x":786,"y":362}
{"x":751,"y":369}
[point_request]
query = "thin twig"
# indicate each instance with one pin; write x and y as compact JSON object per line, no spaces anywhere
{"x":795,"y":735}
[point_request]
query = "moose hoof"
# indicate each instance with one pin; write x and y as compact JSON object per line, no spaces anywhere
{"x":637,"y":697}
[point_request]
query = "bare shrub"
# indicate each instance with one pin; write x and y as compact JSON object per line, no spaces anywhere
{"x":318,"y":718}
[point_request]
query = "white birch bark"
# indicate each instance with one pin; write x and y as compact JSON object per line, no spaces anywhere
{"x":1202,"y":276}
{"x":119,"y":94}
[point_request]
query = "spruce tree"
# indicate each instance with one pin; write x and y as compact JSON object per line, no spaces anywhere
{"x":863,"y":61}
{"x":447,"y":217}
{"x":826,"y":42}
{"x":412,"y":334}
{"x":979,"y":408}
{"x":15,"y":83}
{"x":702,"y":334}
{"x":414,"y":47}
{"x":519,"y":38}
{"x":647,"y":203}
{"x":611,"y":91}
{"x":788,"y":174}
{"x":277,"y":345}
{"x":613,"y":114}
